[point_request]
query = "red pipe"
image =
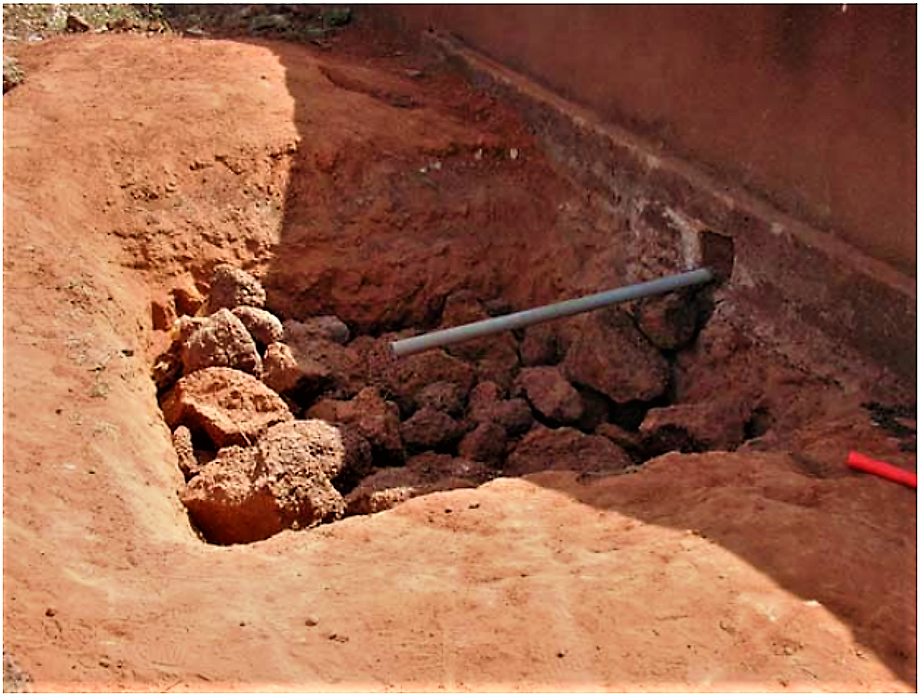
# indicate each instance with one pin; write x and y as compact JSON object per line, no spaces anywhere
{"x":858,"y":461}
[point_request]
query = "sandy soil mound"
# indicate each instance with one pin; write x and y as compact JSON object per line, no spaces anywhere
{"x":368,"y":182}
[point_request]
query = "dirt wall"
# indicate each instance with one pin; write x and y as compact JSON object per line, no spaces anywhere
{"x":811,"y":107}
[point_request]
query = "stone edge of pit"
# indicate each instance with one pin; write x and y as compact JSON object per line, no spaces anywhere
{"x":823,"y":301}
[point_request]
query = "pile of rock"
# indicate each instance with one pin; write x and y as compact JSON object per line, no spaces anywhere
{"x":290,"y":424}
{"x":229,"y":388}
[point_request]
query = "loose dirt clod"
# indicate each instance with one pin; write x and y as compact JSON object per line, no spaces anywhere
{"x":230,"y":406}
{"x":442,"y":396}
{"x":565,"y":449}
{"x":718,"y":424}
{"x":410,"y":376}
{"x":185,"y":450}
{"x":539,"y":346}
{"x":612,"y":357}
{"x":552,"y":396}
{"x":262,"y":325}
{"x":629,"y":441}
{"x":329,"y":327}
{"x":249,"y":494}
{"x":485,"y":443}
{"x":232,"y":287}
{"x":188,"y":300}
{"x":370,"y":415}
{"x":669,"y":322}
{"x":163,"y":313}
{"x":430,"y":429}
{"x":221,"y":341}
{"x":331,"y":367}
{"x":513,"y":415}
{"x":283,"y":372}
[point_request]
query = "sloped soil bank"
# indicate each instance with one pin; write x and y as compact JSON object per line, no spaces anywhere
{"x":207,"y":247}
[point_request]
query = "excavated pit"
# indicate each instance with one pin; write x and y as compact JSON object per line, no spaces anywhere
{"x":287,"y":423}
{"x":370,"y":183}
{"x":430,"y":207}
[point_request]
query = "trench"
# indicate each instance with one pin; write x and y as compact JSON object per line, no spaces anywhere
{"x":286,"y":406}
{"x":288,"y":423}
{"x":398,"y":204}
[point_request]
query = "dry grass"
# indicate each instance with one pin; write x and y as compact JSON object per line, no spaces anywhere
{"x":302,"y":23}
{"x":41,"y":20}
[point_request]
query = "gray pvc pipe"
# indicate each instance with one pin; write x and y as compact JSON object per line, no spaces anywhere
{"x":566,"y":308}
